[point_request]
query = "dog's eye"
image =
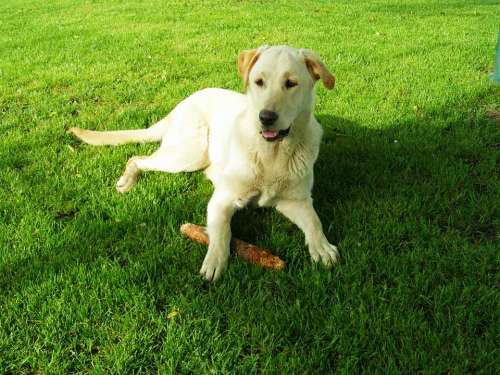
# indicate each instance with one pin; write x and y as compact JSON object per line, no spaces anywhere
{"x":289,"y":84}
{"x":259,"y":82}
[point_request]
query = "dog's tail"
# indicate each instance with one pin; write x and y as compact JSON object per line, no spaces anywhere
{"x":120,"y":137}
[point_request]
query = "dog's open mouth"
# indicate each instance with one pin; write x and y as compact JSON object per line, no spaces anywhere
{"x":273,"y":135}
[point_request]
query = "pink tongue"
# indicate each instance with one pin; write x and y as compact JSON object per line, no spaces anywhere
{"x":269,"y":133}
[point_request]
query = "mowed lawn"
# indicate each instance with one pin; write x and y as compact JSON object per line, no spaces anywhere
{"x":407,"y":184}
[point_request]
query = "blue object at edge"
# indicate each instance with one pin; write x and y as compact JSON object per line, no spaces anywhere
{"x":495,"y":76}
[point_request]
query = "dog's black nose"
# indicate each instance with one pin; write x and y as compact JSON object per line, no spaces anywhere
{"x":267,"y":118}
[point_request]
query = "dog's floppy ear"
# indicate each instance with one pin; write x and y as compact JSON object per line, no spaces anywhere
{"x":247,"y":60}
{"x":317,"y":69}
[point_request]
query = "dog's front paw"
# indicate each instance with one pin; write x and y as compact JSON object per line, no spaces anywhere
{"x":214,"y":264}
{"x":325,"y":252}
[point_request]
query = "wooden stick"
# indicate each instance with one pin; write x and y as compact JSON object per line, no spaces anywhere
{"x":249,"y":252}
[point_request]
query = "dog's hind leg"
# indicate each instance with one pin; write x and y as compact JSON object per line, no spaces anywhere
{"x":189,"y":153}
{"x":131,"y":174}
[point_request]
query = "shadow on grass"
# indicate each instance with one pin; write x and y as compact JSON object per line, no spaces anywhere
{"x":439,"y":164}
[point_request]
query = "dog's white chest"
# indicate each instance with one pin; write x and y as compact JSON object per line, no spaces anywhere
{"x":270,"y":191}
{"x":271,"y":181}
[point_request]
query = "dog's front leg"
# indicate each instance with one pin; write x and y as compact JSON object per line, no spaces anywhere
{"x":219,"y":213}
{"x":302,"y":213}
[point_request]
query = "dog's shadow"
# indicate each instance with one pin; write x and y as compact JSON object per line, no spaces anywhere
{"x":359,"y":166}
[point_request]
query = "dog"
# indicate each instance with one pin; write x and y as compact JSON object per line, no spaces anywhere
{"x":258,"y":147}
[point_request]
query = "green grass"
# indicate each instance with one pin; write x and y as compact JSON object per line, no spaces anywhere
{"x":407,"y":184}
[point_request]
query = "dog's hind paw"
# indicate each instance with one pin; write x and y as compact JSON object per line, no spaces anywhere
{"x":125,"y":183}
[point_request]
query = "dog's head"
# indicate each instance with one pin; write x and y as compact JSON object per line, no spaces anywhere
{"x":280,"y":84}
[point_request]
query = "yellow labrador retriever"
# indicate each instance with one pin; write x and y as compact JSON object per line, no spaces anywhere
{"x":258,"y":147}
